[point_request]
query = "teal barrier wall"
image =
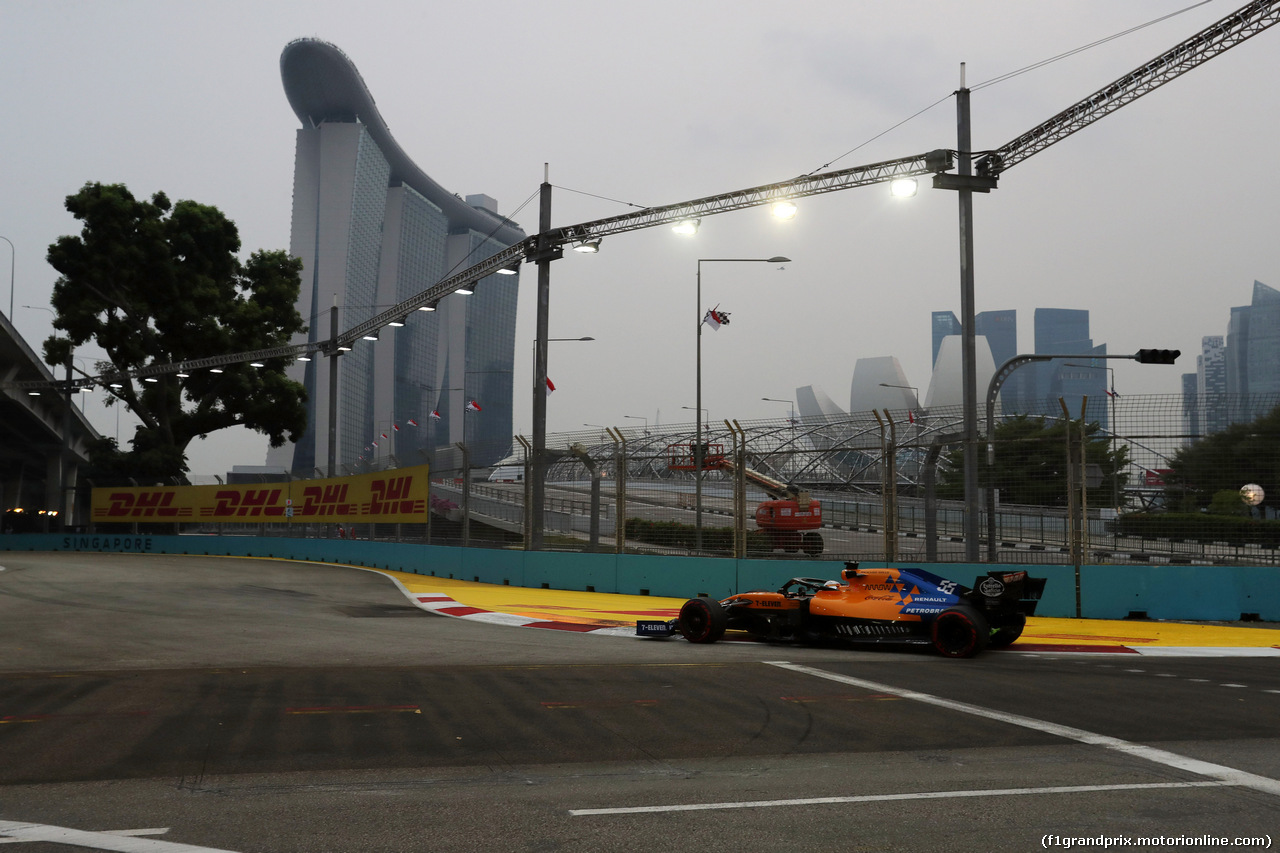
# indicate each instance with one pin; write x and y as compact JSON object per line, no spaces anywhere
{"x":1196,"y":593}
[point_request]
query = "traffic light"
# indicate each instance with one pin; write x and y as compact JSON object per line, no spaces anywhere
{"x":1157,"y":356}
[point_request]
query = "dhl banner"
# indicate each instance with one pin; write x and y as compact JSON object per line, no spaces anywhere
{"x":387,"y":496}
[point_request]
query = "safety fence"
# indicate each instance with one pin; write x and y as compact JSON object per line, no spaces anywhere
{"x":1132,"y":480}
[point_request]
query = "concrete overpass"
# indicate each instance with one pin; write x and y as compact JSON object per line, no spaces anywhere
{"x":44,"y":438}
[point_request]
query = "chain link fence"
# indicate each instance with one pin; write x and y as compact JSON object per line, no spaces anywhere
{"x":1128,"y":480}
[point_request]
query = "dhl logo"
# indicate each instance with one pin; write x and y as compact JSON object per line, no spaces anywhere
{"x":142,"y":505}
{"x":247,"y":502}
{"x":326,"y":500}
{"x":391,"y":497}
{"x":370,"y":498}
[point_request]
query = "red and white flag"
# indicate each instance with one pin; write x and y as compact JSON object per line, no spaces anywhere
{"x":374,"y":443}
{"x":384,"y":435}
{"x":716,"y":318}
{"x":395,"y":427}
{"x":473,"y":406}
{"x":435,"y":416}
{"x":550,"y":385}
{"x":412,"y":422}
{"x":911,"y":416}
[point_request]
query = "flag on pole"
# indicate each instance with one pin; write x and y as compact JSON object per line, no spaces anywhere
{"x":550,"y":385}
{"x":412,"y":422}
{"x":716,"y":318}
{"x":473,"y":406}
{"x":1111,"y":393}
{"x":435,"y":415}
{"x":911,"y":416}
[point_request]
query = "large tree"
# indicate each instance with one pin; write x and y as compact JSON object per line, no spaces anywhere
{"x":152,"y":282}
{"x":1031,"y":463}
{"x":1224,"y":461}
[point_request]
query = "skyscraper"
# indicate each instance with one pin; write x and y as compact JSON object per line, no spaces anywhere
{"x":1065,"y":331}
{"x":372,"y":230}
{"x":1252,"y":363}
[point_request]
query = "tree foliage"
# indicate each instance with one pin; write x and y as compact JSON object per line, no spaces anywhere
{"x":151,"y":282}
{"x":1226,"y":461}
{"x":1031,"y":464}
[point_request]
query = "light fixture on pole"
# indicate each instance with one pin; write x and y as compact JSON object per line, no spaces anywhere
{"x":903,"y":187}
{"x":640,"y":418}
{"x":467,"y":289}
{"x":915,"y":392}
{"x":784,"y":209}
{"x":588,"y":247}
{"x":550,"y":340}
{"x":791,"y":416}
{"x":686,"y":227}
{"x":698,"y":449}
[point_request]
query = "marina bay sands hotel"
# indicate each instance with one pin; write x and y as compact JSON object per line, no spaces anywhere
{"x":372,"y":230}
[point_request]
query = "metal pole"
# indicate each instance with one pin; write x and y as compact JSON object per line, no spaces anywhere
{"x":619,"y":489}
{"x":969,"y":360}
{"x":333,"y":389}
{"x":697,"y":445}
{"x":540,"y":366}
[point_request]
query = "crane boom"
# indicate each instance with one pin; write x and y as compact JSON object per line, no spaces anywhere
{"x":1242,"y":24}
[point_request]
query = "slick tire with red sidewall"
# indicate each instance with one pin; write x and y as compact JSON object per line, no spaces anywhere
{"x":702,"y":620}
{"x":960,"y":632}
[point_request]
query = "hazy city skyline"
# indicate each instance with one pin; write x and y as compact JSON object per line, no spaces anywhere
{"x":1157,"y":220}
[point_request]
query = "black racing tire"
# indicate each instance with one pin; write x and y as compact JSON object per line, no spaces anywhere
{"x":811,"y":543}
{"x":1005,"y":635}
{"x":960,"y":632}
{"x":702,"y":620}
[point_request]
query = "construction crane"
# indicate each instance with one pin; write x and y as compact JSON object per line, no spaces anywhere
{"x":790,"y":518}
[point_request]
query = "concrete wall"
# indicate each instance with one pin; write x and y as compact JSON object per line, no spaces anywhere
{"x":1200,"y":593}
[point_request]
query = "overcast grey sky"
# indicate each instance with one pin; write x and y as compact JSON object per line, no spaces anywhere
{"x":1157,"y":219}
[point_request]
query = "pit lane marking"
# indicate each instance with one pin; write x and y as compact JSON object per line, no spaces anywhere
{"x":880,"y":798}
{"x":1226,"y":775}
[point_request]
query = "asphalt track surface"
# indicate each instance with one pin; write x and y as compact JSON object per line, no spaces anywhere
{"x":153,"y":703}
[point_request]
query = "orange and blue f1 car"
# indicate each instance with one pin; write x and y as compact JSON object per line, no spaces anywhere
{"x":869,"y":606}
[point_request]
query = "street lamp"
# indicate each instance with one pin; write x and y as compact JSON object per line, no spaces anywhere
{"x":791,"y":414}
{"x":640,"y":418}
{"x":535,"y":356}
{"x":915,"y":392}
{"x":697,"y":448}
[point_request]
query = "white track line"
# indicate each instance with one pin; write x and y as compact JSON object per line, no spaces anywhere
{"x":11,"y":830}
{"x":1227,"y":775}
{"x":880,"y":798}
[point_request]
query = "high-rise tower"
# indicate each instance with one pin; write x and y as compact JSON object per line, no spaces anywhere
{"x":372,"y":230}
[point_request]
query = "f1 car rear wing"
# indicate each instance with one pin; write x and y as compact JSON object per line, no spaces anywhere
{"x":999,"y":590}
